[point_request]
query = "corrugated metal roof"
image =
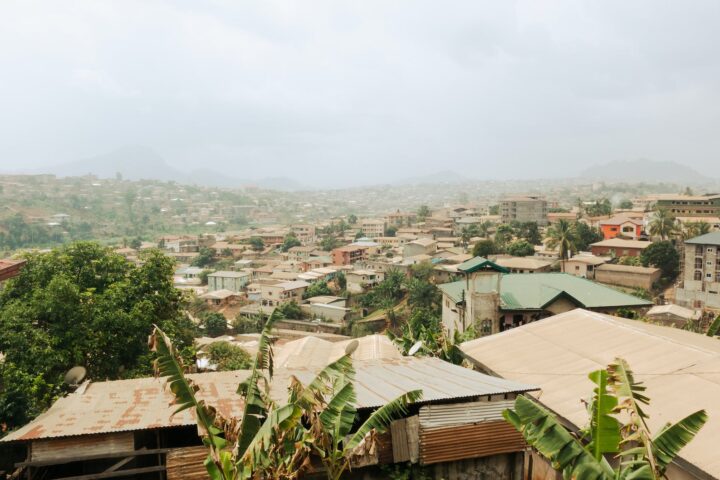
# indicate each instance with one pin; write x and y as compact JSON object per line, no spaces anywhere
{"x":478,"y":263}
{"x":712,"y":238}
{"x":145,"y":403}
{"x":681,"y":369}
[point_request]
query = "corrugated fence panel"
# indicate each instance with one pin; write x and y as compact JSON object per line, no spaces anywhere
{"x":398,"y":429}
{"x":447,"y":444}
{"x":64,"y":447}
{"x":187,"y":463}
{"x":462,"y":413}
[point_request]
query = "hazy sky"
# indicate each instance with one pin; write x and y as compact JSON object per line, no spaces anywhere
{"x":325,"y":91}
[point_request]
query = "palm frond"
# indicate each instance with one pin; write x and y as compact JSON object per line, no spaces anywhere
{"x":604,"y":428}
{"x":671,"y":439}
{"x":338,"y":416}
{"x":714,"y":327}
{"x":381,"y":418}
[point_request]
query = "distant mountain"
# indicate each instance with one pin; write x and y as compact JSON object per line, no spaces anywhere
{"x":143,"y":163}
{"x":445,"y":176}
{"x":633,"y":171}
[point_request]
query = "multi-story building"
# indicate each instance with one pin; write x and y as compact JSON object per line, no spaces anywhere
{"x":401,"y":219}
{"x":524,"y":208}
{"x":690,"y":205}
{"x":348,"y":254}
{"x":228,"y":280}
{"x":372,"y":228}
{"x":700,"y":286}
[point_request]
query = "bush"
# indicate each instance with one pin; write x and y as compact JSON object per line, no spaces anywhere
{"x":290,"y":310}
{"x":228,"y":356}
{"x":215,"y":324}
{"x":242,"y":324}
{"x":662,"y":255}
{"x":520,"y":248}
{"x":484,"y":248}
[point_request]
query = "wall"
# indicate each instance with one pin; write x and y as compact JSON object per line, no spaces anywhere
{"x":627,"y":279}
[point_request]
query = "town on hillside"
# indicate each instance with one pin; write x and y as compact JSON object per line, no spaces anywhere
{"x":474,"y":301}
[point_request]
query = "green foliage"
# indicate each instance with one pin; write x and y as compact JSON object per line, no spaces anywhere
{"x":625,"y":204}
{"x":390,"y":231}
{"x":714,"y":327}
{"x":82,"y":305}
{"x":257,"y":244}
{"x":215,"y":324}
{"x":425,"y":326}
{"x":340,"y":280}
{"x":247,"y":324}
{"x":289,"y":242}
{"x":563,"y":236}
{"x":15,"y":233}
{"x":632,"y":261}
{"x":617,"y":426}
{"x":663,"y":224}
{"x":585,"y":235}
{"x":520,"y":248}
{"x":352,"y":219}
{"x":316,"y":289}
{"x":205,"y":258}
{"x":528,"y":231}
{"x":662,"y":255}
{"x":600,"y":207}
{"x":228,"y":356}
{"x":290,"y":310}
{"x":494,"y":210}
{"x":328,"y":243}
{"x":423,"y":212}
{"x":484,"y":248}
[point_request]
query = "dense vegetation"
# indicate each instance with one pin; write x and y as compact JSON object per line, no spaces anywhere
{"x":81,"y":305}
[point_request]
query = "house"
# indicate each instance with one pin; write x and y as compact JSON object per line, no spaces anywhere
{"x":327,"y":307}
{"x":700,"y":284}
{"x":621,"y":225}
{"x":10,"y":268}
{"x":219,"y":298}
{"x":299,"y":254}
{"x":617,"y":247}
{"x":629,"y":276}
{"x":180,"y":244}
{"x":276,"y":294}
{"x":348,"y":255}
{"x":421,"y":246}
{"x":493,"y":300}
{"x":673,"y":315}
{"x":228,"y":280}
{"x":359,"y":281}
{"x":555,"y":217}
{"x":524,"y":264}
{"x":678,"y":369}
{"x":583,"y":265}
{"x":304,"y":232}
{"x":400,"y":219}
{"x":524,"y":208}
{"x":372,"y":228}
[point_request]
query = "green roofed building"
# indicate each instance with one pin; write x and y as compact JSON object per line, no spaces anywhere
{"x":493,"y":300}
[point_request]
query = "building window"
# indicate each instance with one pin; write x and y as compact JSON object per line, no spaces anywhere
{"x":698,"y":263}
{"x":710,"y":250}
{"x":698,"y":250}
{"x":486,"y":327}
{"x":698,"y":275}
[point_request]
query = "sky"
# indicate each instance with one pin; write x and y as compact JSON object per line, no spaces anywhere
{"x":342,"y":93}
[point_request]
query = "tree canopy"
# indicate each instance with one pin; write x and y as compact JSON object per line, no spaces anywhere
{"x":83,"y":305}
{"x":662,"y":255}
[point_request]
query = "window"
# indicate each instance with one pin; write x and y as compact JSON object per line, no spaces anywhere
{"x":698,"y":263}
{"x":708,"y":275}
{"x":698,"y":250}
{"x":710,"y":250}
{"x":698,"y":275}
{"x":486,"y":327}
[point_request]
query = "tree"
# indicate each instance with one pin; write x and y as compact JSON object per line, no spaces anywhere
{"x":625,"y":204}
{"x":617,"y":426}
{"x":352,"y":219}
{"x":662,"y":255}
{"x":206,"y":257}
{"x":227,"y":356}
{"x":289,"y":242}
{"x":390,"y":231}
{"x":340,"y":280}
{"x":423,"y":212}
{"x":530,"y":232}
{"x":585,"y":235}
{"x":662,"y":224}
{"x":503,"y":235}
{"x":257,"y":244}
{"x":215,"y":324}
{"x":562,"y":236}
{"x":694,"y":229}
{"x":81,"y":304}
{"x":520,"y":248}
{"x":423,"y":294}
{"x":425,"y":327}
{"x":135,"y":243}
{"x":277,"y":441}
{"x":484,"y":248}
{"x":290,"y":310}
{"x":329,"y":243}
{"x":317,"y":289}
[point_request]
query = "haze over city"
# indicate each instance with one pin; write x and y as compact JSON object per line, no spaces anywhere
{"x":335,"y":94}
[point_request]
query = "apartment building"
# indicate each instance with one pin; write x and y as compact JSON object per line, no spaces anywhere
{"x":372,"y":228}
{"x":524,"y":208}
{"x":700,"y":285}
{"x":690,"y":205}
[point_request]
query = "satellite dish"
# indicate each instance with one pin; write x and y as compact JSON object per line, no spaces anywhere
{"x":414,"y":349}
{"x":351,"y":347}
{"x":75,"y":375}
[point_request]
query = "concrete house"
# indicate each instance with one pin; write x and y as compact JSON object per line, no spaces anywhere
{"x":276,"y":294}
{"x":228,"y":280}
{"x":359,"y":281}
{"x":372,"y":228}
{"x":421,"y":246}
{"x":617,"y":247}
{"x":492,"y":300}
{"x":524,"y":208}
{"x":700,"y":284}
{"x":621,"y":225}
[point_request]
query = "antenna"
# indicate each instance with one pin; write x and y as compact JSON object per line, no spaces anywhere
{"x":414,"y":349}
{"x":75,"y":376}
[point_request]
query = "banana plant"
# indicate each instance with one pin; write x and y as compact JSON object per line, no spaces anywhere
{"x":617,"y":427}
{"x":274,"y":441}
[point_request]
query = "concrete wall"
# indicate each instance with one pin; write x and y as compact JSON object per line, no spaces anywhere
{"x":627,"y":279}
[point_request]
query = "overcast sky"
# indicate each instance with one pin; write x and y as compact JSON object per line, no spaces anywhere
{"x":325,"y":91}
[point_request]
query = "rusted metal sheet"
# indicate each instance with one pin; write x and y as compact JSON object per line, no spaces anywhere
{"x":446,"y":444}
{"x":60,"y":448}
{"x":445,"y":415}
{"x":187,"y":464}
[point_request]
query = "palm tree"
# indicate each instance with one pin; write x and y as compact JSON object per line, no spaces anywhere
{"x":563,"y":236}
{"x":617,"y":427}
{"x":662,"y":223}
{"x":275,"y":441}
{"x":694,"y":229}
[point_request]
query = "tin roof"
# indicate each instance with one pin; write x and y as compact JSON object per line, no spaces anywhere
{"x":680,"y":369}
{"x":478,"y":263}
{"x":712,"y":238}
